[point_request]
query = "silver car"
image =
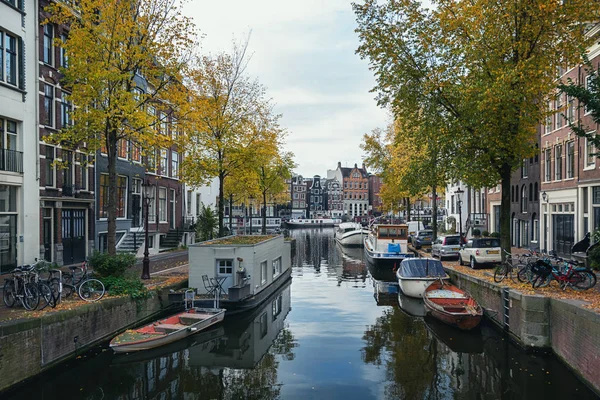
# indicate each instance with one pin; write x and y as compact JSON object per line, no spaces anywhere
{"x":446,"y":246}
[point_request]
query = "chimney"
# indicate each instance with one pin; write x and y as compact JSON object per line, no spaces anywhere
{"x":363,"y":167}
{"x":355,"y":165}
{"x":339,"y":164}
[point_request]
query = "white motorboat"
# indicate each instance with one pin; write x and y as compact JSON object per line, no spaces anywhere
{"x":386,"y":245}
{"x":312,"y":222}
{"x":350,"y":234}
{"x":416,"y":274}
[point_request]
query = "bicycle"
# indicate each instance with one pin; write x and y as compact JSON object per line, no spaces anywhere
{"x":20,"y":288}
{"x":505,"y":269}
{"x":80,"y":282}
{"x":577,"y":278}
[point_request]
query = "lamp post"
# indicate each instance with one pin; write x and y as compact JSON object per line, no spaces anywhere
{"x":251,"y":198}
{"x":458,"y":193}
{"x":147,"y":199}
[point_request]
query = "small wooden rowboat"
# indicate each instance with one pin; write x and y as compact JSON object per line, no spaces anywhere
{"x":451,"y":305}
{"x":167,"y":330}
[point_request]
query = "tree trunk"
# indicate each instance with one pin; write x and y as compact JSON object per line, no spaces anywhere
{"x":407,"y":202}
{"x":264,"y":214}
{"x":434,"y":210}
{"x":221,"y":203}
{"x":505,"y":175}
{"x":112,"y":191}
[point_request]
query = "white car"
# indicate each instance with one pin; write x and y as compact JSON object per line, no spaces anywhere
{"x":480,"y":251}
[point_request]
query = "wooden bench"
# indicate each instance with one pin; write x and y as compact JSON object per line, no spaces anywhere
{"x":168,"y":328}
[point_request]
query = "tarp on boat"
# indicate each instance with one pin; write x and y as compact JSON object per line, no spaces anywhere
{"x":421,"y":267}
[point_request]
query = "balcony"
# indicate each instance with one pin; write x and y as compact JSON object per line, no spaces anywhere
{"x":11,"y":160}
{"x":478,"y":219}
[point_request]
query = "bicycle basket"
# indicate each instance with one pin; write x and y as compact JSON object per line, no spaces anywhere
{"x":542,"y":268}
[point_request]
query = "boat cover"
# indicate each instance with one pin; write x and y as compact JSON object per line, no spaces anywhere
{"x":421,"y":267}
{"x":393,"y":247}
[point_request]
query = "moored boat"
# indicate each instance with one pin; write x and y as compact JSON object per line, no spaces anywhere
{"x":350,"y":234}
{"x":452,"y":305}
{"x":386,"y":245}
{"x":312,"y":222}
{"x":167,"y":330}
{"x":416,"y":274}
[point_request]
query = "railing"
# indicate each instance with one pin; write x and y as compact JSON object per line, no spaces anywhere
{"x":11,"y":160}
{"x":188,"y":223}
{"x":478,"y":219}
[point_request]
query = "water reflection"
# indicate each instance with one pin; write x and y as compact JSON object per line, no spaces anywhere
{"x":238,"y":359}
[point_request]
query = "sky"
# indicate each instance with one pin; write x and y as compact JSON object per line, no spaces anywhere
{"x":303,"y":53}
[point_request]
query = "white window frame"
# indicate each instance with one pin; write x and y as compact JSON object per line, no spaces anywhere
{"x":263,"y":272}
{"x":558,"y":162}
{"x":570,"y":170}
{"x":590,"y":159}
{"x":162,"y":205}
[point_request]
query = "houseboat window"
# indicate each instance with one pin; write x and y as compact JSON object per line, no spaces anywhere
{"x":263,"y":324}
{"x":225,"y":266}
{"x":393,"y":232}
{"x":263,"y":272}
{"x":276,"y":267}
{"x":402,"y":232}
{"x":383,"y":232}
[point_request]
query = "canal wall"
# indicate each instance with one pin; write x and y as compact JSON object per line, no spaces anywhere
{"x":31,"y":346}
{"x":564,"y":326}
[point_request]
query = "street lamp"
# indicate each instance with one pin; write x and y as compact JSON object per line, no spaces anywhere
{"x":458,"y":193}
{"x":148,"y":189}
{"x":251,"y":198}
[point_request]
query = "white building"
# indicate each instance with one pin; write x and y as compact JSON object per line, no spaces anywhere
{"x":19,"y":196}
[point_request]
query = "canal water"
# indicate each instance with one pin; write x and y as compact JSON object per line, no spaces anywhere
{"x":335,"y":332}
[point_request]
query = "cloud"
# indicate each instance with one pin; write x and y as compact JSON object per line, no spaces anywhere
{"x":303,"y":52}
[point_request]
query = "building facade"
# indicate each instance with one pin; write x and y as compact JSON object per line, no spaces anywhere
{"x":355,"y":186}
{"x":19,"y":196}
{"x":375,"y":203}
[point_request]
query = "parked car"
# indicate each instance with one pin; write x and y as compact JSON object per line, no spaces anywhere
{"x":422,"y":238}
{"x":446,"y":246}
{"x":480,"y":251}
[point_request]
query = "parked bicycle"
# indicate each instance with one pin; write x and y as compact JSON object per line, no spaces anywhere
{"x":20,"y":288}
{"x":567,"y":275}
{"x":505,"y":269}
{"x":79,"y":280}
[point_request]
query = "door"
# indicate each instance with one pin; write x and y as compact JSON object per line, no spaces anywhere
{"x":173,"y":214}
{"x":73,"y":235}
{"x":563,"y":227}
{"x":136,"y":211}
{"x":47,"y":232}
{"x":225,"y":274}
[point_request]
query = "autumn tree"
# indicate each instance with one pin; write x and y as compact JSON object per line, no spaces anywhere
{"x":227,"y":108}
{"x":488,"y":66}
{"x":123,"y":56}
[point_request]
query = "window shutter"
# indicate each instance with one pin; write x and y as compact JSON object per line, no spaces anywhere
{"x":21,"y":66}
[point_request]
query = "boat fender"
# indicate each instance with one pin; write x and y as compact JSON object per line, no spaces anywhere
{"x":192,"y":329}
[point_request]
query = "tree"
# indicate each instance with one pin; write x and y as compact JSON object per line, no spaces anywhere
{"x":205,"y":227}
{"x":487,"y":68}
{"x":115,"y":49}
{"x":227,"y":109}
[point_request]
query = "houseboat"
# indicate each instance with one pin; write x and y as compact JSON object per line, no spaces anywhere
{"x":312,"y":222}
{"x":350,"y":234}
{"x":386,"y":245}
{"x":242,"y":271}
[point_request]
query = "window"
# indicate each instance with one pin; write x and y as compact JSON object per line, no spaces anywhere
{"x":152,"y":205}
{"x":548,"y":127}
{"x":67,"y":168}
{"x":175,"y":165}
{"x":163,"y":162}
{"x":570,"y":159}
{"x":198,"y":203}
{"x":189,"y":202}
{"x":570,"y":109}
{"x":225,"y":267}
{"x":558,"y":162}
{"x":590,"y":158}
{"x":103,"y":197}
{"x":524,"y":199}
{"x":548,"y":165}
{"x":82,"y":171}
{"x":48,"y":38}
{"x":164,"y":129}
{"x":49,"y":105}
{"x":263,"y":272}
{"x":50,"y":167}
{"x":122,"y":148}
{"x":524,"y":169}
{"x":588,"y":85}
{"x":64,"y":60}
{"x":277,"y":307}
{"x":8,"y":136}
{"x":136,"y":153}
{"x":8,"y":58}
{"x":65,"y":110}
{"x":151,"y":161}
{"x":121,"y":196}
{"x":152,"y":113}
{"x":558,"y":115}
{"x":162,"y":204}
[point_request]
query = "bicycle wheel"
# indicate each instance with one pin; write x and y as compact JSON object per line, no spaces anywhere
{"x":9,"y":294}
{"x":46,"y":296}
{"x":582,"y":280}
{"x":500,"y":273}
{"x":31,"y":296}
{"x":91,"y":290}
{"x":524,"y":274}
{"x":54,"y":284}
{"x":67,"y":290}
{"x":541,"y":280}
